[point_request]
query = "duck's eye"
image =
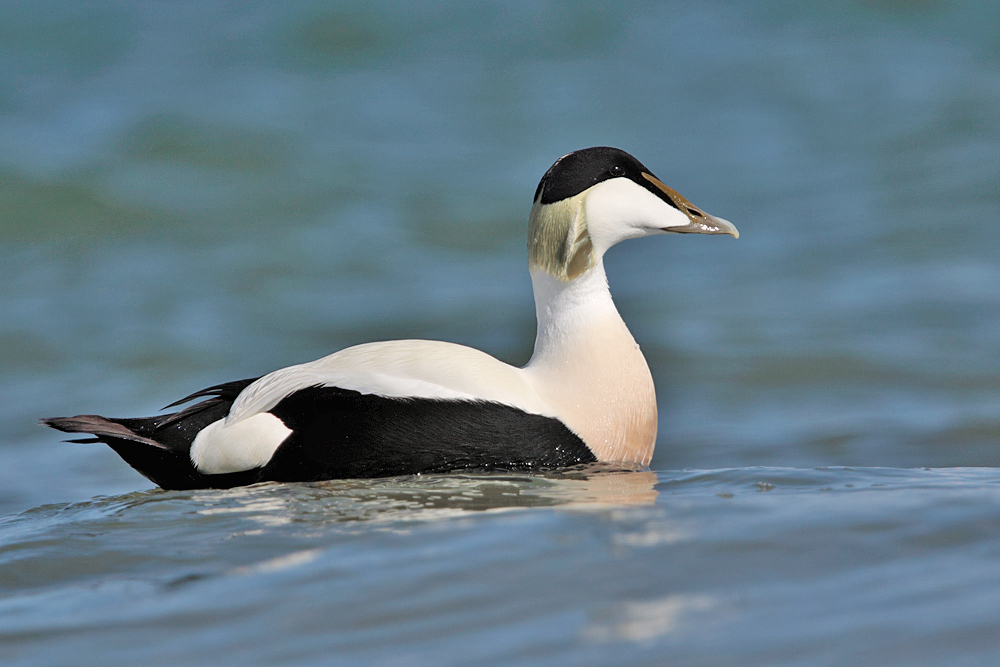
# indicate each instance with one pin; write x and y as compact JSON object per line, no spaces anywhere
{"x":617,"y":170}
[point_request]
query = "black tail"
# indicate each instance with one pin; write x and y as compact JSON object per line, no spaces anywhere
{"x":159,"y":447}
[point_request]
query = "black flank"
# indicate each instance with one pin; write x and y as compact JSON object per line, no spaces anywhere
{"x":338,"y":433}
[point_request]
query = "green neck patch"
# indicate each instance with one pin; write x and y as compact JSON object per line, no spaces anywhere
{"x":558,"y":239}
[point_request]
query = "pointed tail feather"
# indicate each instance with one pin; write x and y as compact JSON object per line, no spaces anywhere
{"x":98,"y":426}
{"x":159,"y":447}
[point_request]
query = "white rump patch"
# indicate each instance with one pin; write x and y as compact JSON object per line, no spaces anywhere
{"x":244,"y":445}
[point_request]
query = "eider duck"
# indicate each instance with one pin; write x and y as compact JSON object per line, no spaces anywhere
{"x":419,"y":406}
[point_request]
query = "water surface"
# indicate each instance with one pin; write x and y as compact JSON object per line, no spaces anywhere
{"x":754,"y":565}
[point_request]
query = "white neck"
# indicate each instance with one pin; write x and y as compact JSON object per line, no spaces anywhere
{"x":588,"y":366}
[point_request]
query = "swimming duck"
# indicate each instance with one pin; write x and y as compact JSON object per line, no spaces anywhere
{"x":419,"y":406}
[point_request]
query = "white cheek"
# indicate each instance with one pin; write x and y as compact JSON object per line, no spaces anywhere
{"x":619,"y":209}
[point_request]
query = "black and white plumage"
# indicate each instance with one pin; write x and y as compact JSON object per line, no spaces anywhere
{"x":414,"y":406}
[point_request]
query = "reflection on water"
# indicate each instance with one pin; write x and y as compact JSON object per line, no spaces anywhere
{"x":429,"y":497}
{"x":647,"y":620}
{"x":173,"y":539}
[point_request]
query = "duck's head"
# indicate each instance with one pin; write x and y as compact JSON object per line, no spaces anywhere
{"x":593,"y":198}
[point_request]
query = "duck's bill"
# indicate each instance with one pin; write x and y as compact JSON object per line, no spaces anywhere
{"x":706,"y":224}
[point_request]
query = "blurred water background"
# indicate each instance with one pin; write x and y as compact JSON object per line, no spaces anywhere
{"x":194,"y":192}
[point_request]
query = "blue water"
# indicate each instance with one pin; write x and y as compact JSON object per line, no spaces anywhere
{"x":197,"y":192}
{"x":753,"y":566}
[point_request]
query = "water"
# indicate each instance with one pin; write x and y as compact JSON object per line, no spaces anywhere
{"x":753,"y":566}
{"x":193,"y":193}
